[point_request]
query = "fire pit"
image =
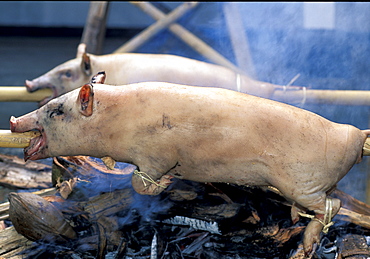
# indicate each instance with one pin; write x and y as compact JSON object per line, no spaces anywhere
{"x":189,"y":220}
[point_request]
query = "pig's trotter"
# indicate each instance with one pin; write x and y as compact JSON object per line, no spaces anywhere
{"x":143,"y":183}
{"x":319,"y":222}
{"x":311,"y":236}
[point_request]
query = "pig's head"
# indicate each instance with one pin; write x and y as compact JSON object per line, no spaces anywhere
{"x":61,"y":122}
{"x":65,"y":77}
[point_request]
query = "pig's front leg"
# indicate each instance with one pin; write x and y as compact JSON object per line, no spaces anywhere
{"x":150,"y":183}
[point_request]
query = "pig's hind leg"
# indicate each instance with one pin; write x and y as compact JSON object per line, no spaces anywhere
{"x":150,"y":183}
{"x":325,"y":209}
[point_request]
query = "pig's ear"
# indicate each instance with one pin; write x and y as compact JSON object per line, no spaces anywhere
{"x":86,"y":99}
{"x":81,"y":49}
{"x":99,"y":78}
{"x":85,"y":64}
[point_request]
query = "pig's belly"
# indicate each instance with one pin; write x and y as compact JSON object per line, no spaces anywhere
{"x":246,"y":173}
{"x":294,"y":175}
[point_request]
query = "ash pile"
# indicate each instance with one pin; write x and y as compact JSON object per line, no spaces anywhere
{"x":95,"y":213}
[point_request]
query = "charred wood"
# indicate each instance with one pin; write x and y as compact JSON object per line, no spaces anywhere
{"x":189,"y":220}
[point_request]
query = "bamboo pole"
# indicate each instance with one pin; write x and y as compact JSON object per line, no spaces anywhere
{"x":22,"y":140}
{"x":366,"y":149}
{"x":16,"y":140}
{"x":20,"y":94}
{"x":367,"y":191}
{"x":153,"y":29}
{"x":337,"y":97}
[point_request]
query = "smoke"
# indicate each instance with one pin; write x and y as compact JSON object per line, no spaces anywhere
{"x":327,"y":44}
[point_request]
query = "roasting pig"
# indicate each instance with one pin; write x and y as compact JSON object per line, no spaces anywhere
{"x":202,"y":134}
{"x":127,"y":68}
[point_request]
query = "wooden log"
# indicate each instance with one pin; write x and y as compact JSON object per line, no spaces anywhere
{"x":15,"y":173}
{"x":4,"y":207}
{"x":155,"y":28}
{"x":189,"y":38}
{"x":354,"y":217}
{"x":351,"y":203}
{"x":94,"y":30}
{"x":20,"y":94}
{"x":12,"y":244}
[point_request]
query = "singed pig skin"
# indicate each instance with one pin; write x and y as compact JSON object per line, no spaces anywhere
{"x":127,"y":68}
{"x":203,"y":134}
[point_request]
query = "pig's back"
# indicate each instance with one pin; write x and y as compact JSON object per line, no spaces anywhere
{"x":164,"y":68}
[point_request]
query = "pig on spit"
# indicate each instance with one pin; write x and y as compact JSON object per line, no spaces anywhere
{"x":202,"y":134}
{"x":127,"y":68}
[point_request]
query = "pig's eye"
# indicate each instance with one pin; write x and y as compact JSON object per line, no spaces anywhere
{"x":68,"y":74}
{"x":56,"y":112}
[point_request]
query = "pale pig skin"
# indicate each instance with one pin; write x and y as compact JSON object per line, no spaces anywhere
{"x":130,"y":68}
{"x":201,"y":134}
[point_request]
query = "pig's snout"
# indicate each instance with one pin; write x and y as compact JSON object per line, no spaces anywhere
{"x":13,"y":124}
{"x":22,"y":124}
{"x":36,"y":84}
{"x":30,"y":86}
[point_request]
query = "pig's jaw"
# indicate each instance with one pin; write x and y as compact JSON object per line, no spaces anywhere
{"x":47,"y":99}
{"x":36,"y":149}
{"x":32,"y":87}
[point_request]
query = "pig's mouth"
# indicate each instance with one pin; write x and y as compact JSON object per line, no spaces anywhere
{"x":32,"y":88}
{"x":37,"y":147}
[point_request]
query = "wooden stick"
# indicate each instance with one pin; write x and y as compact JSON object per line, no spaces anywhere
{"x":152,"y":30}
{"x":354,"y":217}
{"x":16,"y":140}
{"x":189,"y":38}
{"x":20,"y":94}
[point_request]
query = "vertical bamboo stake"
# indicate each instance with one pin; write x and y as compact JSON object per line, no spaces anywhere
{"x":94,"y":30}
{"x":238,"y":38}
{"x":368,"y":172}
